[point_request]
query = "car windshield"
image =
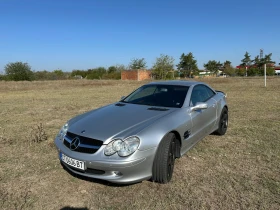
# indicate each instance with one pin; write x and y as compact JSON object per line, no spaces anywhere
{"x":158,"y":95}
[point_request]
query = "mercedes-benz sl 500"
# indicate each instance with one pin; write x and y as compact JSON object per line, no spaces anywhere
{"x":140,"y":136}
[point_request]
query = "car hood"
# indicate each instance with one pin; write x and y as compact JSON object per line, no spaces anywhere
{"x":116,"y":121}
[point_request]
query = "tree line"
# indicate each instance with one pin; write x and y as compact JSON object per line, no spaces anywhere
{"x":163,"y":68}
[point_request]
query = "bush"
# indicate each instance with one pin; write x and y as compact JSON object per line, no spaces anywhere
{"x":19,"y":71}
{"x":112,"y":75}
{"x":253,"y":71}
{"x":241,"y":72}
{"x":2,"y":77}
{"x":96,"y":73}
{"x":230,"y":71}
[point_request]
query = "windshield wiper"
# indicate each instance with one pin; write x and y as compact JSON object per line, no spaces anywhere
{"x":157,"y":109}
{"x":119,"y":104}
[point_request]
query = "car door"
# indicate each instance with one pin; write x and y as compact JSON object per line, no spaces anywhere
{"x":202,"y":120}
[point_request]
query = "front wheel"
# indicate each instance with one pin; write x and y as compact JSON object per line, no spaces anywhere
{"x":223,"y":122}
{"x":165,"y":159}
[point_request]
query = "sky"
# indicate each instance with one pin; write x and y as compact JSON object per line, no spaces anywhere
{"x":84,"y":34}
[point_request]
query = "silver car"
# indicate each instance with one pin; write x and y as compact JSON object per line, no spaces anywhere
{"x":139,"y":137}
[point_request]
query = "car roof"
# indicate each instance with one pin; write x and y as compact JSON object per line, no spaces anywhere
{"x":176,"y":82}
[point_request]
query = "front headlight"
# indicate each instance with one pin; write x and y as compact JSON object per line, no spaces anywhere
{"x":63,"y":131}
{"x":122,"y":147}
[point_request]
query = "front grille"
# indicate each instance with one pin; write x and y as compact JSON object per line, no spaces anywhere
{"x":87,"y":145}
{"x":86,"y":150}
{"x":85,"y":140}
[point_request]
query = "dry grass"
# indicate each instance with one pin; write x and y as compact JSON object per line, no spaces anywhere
{"x":240,"y":170}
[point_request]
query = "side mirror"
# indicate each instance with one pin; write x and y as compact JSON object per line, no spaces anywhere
{"x":199,"y":106}
{"x":122,"y":97}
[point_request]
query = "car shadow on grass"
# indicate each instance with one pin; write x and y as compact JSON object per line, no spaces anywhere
{"x":74,"y":208}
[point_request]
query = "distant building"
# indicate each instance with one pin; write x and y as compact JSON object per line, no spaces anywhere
{"x":204,"y":72}
{"x":139,"y":75}
{"x":277,"y":70}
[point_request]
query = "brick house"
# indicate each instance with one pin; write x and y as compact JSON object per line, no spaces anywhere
{"x":139,"y":75}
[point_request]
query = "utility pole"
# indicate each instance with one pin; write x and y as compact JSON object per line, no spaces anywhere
{"x":265,"y":74}
{"x":261,"y":56}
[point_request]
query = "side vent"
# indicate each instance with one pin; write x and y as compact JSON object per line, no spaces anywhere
{"x":187,"y":134}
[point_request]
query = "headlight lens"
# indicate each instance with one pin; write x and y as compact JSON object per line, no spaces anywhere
{"x":123,"y":148}
{"x":63,"y":131}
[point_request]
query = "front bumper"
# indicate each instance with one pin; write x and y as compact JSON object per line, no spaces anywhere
{"x":134,"y":168}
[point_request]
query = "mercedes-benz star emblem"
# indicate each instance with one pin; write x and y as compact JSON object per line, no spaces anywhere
{"x":75,"y":143}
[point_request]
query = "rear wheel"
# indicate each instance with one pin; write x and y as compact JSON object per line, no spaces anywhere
{"x":223,"y":122}
{"x":165,"y":159}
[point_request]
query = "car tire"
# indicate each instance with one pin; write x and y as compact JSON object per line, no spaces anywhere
{"x":223,"y":122}
{"x":165,"y":159}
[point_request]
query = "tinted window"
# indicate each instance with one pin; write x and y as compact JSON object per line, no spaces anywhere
{"x":158,"y":95}
{"x":210,"y":92}
{"x":141,"y":93}
{"x":201,"y":93}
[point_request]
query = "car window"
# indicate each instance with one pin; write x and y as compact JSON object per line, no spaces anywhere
{"x":210,"y":92}
{"x":159,"y":95}
{"x":142,"y":92}
{"x":201,"y":93}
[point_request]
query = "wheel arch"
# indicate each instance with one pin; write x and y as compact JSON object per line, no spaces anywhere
{"x":178,"y":143}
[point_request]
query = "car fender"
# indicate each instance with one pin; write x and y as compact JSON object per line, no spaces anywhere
{"x":179,"y":121}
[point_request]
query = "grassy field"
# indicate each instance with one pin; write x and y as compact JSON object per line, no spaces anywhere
{"x":240,"y":170}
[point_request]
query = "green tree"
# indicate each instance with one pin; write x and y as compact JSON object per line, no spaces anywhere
{"x":228,"y":68}
{"x":77,"y":72}
{"x":2,"y":77}
{"x":187,"y":64}
{"x":246,"y":61}
{"x":163,"y":66}
{"x":96,"y":73}
{"x":137,"y":63}
{"x":257,"y":62}
{"x":213,"y":66}
{"x":18,"y":71}
{"x":230,"y":71}
{"x":42,"y":75}
{"x":253,"y":71}
{"x":112,"y":69}
{"x":59,"y":74}
{"x":113,"y":72}
{"x":227,"y":64}
{"x":121,"y":67}
{"x":267,"y":59}
{"x":241,"y":71}
{"x":258,"y":66}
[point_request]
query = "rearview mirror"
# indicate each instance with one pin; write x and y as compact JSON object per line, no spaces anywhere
{"x":199,"y":106}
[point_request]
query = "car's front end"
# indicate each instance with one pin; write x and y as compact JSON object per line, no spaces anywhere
{"x":90,"y":159}
{"x":110,"y":146}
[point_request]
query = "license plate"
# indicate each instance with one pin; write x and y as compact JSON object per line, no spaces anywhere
{"x":73,"y":162}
